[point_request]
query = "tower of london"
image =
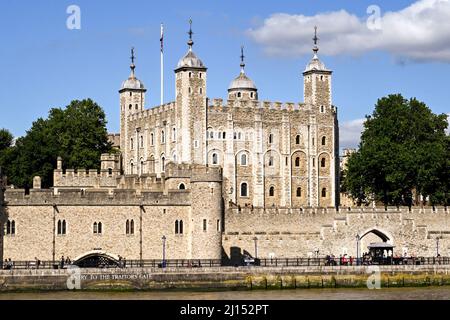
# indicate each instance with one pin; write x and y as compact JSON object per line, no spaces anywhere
{"x":201,"y":178}
{"x":272,"y":154}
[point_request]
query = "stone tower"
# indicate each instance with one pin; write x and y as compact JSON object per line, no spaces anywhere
{"x":206,"y":219}
{"x":191,"y":106}
{"x":322,"y":136}
{"x":317,"y":81}
{"x":132,"y":101}
{"x":242,"y":87}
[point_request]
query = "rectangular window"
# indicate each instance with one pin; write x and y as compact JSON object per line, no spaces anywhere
{"x":196,"y":144}
{"x":205,"y":223}
{"x":218,"y":225}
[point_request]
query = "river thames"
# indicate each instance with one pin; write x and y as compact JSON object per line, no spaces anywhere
{"x":427,"y":293}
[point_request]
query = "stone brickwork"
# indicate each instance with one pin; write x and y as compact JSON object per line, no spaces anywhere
{"x":154,"y":213}
{"x":283,"y":233}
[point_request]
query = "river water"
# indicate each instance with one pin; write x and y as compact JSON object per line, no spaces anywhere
{"x":428,"y":293}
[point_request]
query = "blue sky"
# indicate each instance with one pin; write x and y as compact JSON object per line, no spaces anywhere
{"x":43,"y":64}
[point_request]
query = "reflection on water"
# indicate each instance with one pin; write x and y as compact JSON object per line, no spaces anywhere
{"x":434,"y":293}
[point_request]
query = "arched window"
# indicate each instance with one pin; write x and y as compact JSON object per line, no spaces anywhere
{"x":95,"y":228}
{"x":324,"y":141}
{"x":272,"y":192}
{"x":142,"y":166}
{"x":163,"y":164}
{"x":59,"y":227}
{"x":224,"y":135}
{"x":177,"y":227}
{"x":243,"y":159}
{"x":132,"y":227}
{"x":297,"y":139}
{"x":63,"y":227}
{"x":130,"y":107}
{"x":270,"y":161}
{"x":152,"y":164}
{"x":190,"y":74}
{"x":137,"y":107}
{"x":322,"y":162}
{"x":297,"y":162}
{"x":142,"y":141}
{"x":174,"y":157}
{"x":163,"y":137}
{"x":132,"y":168}
{"x":201,"y":91}
{"x":8,"y":227}
{"x":251,"y":95}
{"x":99,"y":228}
{"x":110,"y":171}
{"x":181,"y":226}
{"x":322,"y":109}
{"x":211,"y":134}
{"x":131,"y":94}
{"x":182,"y":186}
{"x":215,"y":159}
{"x":244,"y":190}
{"x":239,"y":136}
{"x":271,"y":138}
{"x":324,"y":192}
{"x":152,"y":139}
{"x":127,"y":227}
{"x":174,"y":134}
{"x":299,"y":192}
{"x":239,"y":95}
{"x":200,"y":75}
{"x":132,"y":144}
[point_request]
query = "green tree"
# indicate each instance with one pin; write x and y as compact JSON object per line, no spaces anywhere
{"x":403,"y":151}
{"x":6,"y":139}
{"x":77,"y":133}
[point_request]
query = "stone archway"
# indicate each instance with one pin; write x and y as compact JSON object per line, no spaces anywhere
{"x":97,"y":259}
{"x":373,"y":235}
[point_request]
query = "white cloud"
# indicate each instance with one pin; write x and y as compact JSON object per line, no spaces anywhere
{"x":419,"y":32}
{"x":350,"y":133}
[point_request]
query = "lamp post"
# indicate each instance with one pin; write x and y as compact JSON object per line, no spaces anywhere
{"x":256,"y":247}
{"x":437,"y":246}
{"x":164,"y":251}
{"x":358,"y":238}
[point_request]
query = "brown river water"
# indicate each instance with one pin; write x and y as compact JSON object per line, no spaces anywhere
{"x":428,"y":293}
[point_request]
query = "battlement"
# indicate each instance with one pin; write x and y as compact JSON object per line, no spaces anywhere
{"x":218,"y":105}
{"x":95,"y":197}
{"x":153,"y":112}
{"x":248,"y":210}
{"x":196,"y":172}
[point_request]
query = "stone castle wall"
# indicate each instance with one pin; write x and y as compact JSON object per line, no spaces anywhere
{"x":283,"y":233}
{"x":154,"y":214}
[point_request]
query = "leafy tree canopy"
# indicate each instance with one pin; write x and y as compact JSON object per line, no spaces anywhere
{"x":77,"y":133}
{"x":404,"y":151}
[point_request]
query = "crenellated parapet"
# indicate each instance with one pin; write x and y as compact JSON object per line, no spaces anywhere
{"x":152,"y":113}
{"x":218,"y":105}
{"x":249,"y":210}
{"x":92,"y":197}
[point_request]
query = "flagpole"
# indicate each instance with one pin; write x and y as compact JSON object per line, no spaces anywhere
{"x":162,"y":64}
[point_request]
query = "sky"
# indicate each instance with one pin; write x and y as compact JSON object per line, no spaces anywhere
{"x":374,"y":48}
